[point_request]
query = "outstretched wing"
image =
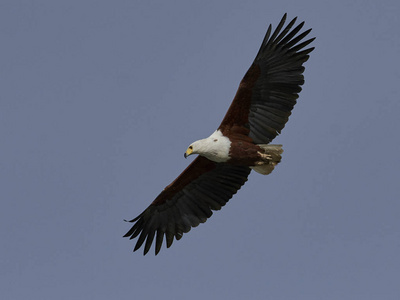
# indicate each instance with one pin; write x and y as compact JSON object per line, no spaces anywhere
{"x":268,"y":91}
{"x":188,"y":201}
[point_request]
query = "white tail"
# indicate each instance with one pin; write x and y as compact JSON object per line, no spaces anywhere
{"x":274,"y":157}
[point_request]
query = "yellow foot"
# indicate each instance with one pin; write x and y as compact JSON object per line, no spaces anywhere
{"x":265,"y":157}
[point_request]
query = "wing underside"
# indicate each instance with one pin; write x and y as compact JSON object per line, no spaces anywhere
{"x":175,"y":213}
{"x":270,"y":88}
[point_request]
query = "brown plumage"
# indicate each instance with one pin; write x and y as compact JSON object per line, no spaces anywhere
{"x":259,"y":111}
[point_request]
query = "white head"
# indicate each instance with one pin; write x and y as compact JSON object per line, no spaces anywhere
{"x":215,"y":147}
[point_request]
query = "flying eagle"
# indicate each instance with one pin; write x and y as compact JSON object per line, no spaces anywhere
{"x":258,"y":113}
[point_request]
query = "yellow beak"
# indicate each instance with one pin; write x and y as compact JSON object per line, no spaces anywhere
{"x":188,"y":152}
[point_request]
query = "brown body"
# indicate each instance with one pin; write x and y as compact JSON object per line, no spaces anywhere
{"x":245,"y":153}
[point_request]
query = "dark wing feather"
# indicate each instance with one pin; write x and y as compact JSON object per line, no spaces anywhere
{"x":269,"y":90}
{"x":204,"y":186}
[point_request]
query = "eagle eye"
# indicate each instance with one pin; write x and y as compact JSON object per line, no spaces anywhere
{"x":215,"y":140}
{"x":191,"y":147}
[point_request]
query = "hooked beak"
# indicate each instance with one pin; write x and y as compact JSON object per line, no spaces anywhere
{"x":188,"y":152}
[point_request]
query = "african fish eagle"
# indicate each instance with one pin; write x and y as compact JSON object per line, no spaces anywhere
{"x":258,"y":113}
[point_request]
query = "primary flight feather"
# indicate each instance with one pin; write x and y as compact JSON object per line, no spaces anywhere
{"x":259,"y":111}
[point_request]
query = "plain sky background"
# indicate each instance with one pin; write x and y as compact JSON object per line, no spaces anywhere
{"x":100,"y":99}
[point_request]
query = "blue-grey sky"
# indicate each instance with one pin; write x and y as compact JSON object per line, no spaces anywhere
{"x":100,"y":99}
